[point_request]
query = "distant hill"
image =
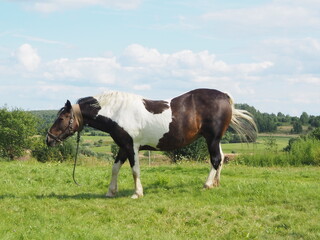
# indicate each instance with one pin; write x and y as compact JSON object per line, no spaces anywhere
{"x":46,"y":118}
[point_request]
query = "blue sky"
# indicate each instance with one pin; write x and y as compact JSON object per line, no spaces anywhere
{"x":264,"y":53}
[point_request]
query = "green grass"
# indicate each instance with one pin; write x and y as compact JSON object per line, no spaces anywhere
{"x":40,"y":201}
{"x":259,"y":146}
{"x":92,"y":139}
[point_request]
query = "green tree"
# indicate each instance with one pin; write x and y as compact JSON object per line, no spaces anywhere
{"x":16,"y":130}
{"x":297,"y":127}
{"x":314,"y":121}
{"x":304,"y":118}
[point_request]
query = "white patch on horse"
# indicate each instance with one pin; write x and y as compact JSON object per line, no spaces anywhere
{"x":136,"y":175}
{"x":129,"y":112}
{"x":113,"y":187}
{"x":213,"y":179}
{"x":209,"y":182}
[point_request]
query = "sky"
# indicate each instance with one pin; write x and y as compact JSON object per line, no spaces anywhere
{"x":265,"y":53}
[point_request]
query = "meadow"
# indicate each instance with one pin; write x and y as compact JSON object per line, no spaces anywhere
{"x":40,"y":201}
{"x":260,"y":145}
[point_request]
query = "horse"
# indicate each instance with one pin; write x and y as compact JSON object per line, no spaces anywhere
{"x":136,"y":123}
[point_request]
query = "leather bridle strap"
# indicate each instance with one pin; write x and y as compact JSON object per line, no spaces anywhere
{"x":56,"y":138}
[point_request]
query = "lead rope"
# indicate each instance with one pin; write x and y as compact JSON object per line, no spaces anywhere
{"x":75,"y":159}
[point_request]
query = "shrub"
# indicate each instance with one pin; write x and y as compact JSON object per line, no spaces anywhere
{"x":16,"y":130}
{"x":305,"y":152}
{"x":302,"y":151}
{"x":105,"y":156}
{"x":197,"y":151}
{"x":271,"y":144}
{"x":114,"y":150}
{"x":264,"y":159}
{"x":315,"y":133}
{"x":87,"y":152}
{"x":61,"y":153}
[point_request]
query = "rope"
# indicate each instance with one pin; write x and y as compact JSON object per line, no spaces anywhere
{"x":75,"y":160}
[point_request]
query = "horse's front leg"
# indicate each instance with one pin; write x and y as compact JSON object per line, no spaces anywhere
{"x":135,"y":166}
{"x":120,"y":159}
{"x":113,"y":187}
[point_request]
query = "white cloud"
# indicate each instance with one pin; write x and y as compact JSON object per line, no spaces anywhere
{"x":293,"y":46}
{"x":290,"y":56}
{"x":42,"y":40}
{"x":58,"y":5}
{"x":305,"y":79}
{"x":28,"y":57}
{"x":141,"y":68}
{"x":185,"y":62}
{"x":283,"y":14}
{"x":99,"y":70}
{"x":138,"y":55}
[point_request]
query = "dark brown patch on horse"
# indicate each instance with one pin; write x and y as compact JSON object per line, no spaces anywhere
{"x":89,"y":107}
{"x":201,"y":112}
{"x":118,"y":134}
{"x":155,"y":107}
{"x":147,"y":147}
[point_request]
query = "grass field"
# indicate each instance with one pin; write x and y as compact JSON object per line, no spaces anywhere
{"x":40,"y":201}
{"x":260,"y":145}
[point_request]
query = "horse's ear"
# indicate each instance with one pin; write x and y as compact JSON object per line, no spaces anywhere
{"x":68,"y":105}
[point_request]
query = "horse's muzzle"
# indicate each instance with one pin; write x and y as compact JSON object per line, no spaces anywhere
{"x":50,"y":141}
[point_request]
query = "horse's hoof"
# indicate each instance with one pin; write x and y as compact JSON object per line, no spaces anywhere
{"x":216,"y":183}
{"x":206,"y":186}
{"x":110,"y":195}
{"x":136,"y":196}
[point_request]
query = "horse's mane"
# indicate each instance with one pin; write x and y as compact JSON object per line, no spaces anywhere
{"x":110,"y":97}
{"x":89,"y":106}
{"x":87,"y":101}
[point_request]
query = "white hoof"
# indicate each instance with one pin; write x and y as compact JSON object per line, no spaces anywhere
{"x":207,"y":186}
{"x":136,"y":196}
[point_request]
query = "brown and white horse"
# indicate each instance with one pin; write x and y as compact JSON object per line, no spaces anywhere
{"x":136,"y":123}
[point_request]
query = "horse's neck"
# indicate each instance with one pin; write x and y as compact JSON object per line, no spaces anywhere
{"x":100,"y":123}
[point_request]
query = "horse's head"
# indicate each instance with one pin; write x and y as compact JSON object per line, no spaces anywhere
{"x":68,"y":122}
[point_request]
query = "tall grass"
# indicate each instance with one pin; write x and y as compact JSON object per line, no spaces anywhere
{"x":305,"y":152}
{"x":302,"y":152}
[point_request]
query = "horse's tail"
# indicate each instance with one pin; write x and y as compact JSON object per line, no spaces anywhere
{"x":243,"y":123}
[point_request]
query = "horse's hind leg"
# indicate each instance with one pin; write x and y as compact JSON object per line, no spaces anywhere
{"x":135,"y":166}
{"x":216,"y":158}
{"x":216,"y":180}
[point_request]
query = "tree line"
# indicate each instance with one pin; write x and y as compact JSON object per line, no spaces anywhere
{"x":270,"y":122}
